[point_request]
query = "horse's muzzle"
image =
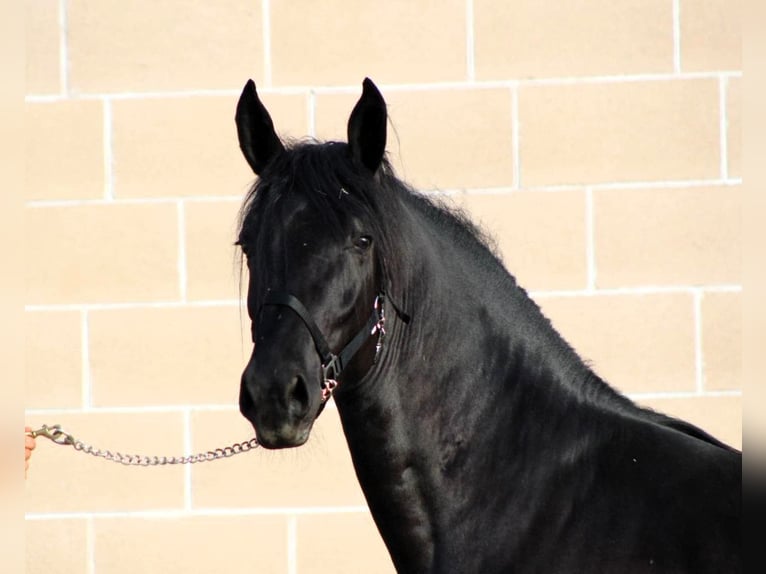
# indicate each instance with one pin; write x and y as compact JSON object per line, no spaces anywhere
{"x":280,"y":411}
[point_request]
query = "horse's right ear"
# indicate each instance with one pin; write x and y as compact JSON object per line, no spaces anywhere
{"x":367,"y":127}
{"x":257,"y":138}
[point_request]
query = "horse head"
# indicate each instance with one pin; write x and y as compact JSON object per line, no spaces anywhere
{"x":311,"y":237}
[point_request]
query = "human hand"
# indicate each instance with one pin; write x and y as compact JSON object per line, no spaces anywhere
{"x":29,"y":446}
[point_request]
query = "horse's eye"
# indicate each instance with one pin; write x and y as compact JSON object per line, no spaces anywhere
{"x":363,"y":242}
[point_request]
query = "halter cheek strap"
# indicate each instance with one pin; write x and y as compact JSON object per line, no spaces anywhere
{"x":332,"y":364}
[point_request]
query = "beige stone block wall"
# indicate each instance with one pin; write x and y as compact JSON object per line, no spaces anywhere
{"x":598,"y":141}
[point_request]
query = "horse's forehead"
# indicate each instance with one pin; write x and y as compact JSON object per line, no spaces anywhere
{"x":293,"y":219}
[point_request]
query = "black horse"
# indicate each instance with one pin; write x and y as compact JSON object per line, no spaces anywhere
{"x":482,"y":441}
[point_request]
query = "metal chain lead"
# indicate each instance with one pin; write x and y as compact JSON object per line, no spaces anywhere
{"x":56,"y":434}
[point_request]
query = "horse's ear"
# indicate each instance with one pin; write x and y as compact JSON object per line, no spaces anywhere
{"x":257,"y":138}
{"x":367,"y":127}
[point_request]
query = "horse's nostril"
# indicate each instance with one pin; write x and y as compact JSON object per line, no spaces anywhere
{"x":298,"y":396}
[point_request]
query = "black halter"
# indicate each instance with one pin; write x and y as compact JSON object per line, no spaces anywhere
{"x":332,"y":364}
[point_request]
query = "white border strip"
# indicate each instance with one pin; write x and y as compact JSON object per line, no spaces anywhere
{"x":434,"y":86}
{"x":86,"y":382}
{"x":638,"y":290}
{"x":515,"y":138}
{"x":108,"y":152}
{"x":176,"y":513}
{"x":470,"y":42}
{"x":132,"y":201}
{"x":171,"y":304}
{"x":137,"y":410}
{"x":677,"y":36}
{"x":312,"y":113}
{"x":590,"y":241}
{"x":90,"y":546}
{"x":699,"y":359}
{"x":266,"y":23}
{"x":613,"y":185}
{"x":182,"y":259}
{"x":63,"y":48}
{"x":187,"y":467}
{"x":723,"y":91}
{"x":292,"y":545}
{"x":638,"y":397}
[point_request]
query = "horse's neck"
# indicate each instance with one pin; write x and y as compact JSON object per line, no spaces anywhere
{"x":441,"y":416}
{"x":440,"y":432}
{"x":467,"y":307}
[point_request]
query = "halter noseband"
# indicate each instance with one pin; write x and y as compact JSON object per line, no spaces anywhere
{"x":332,"y":364}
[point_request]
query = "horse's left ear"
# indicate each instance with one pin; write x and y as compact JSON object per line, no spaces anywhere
{"x":367,"y":127}
{"x":257,"y":139}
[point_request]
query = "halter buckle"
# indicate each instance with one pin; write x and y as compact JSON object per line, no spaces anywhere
{"x":329,"y":371}
{"x":332,"y":368}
